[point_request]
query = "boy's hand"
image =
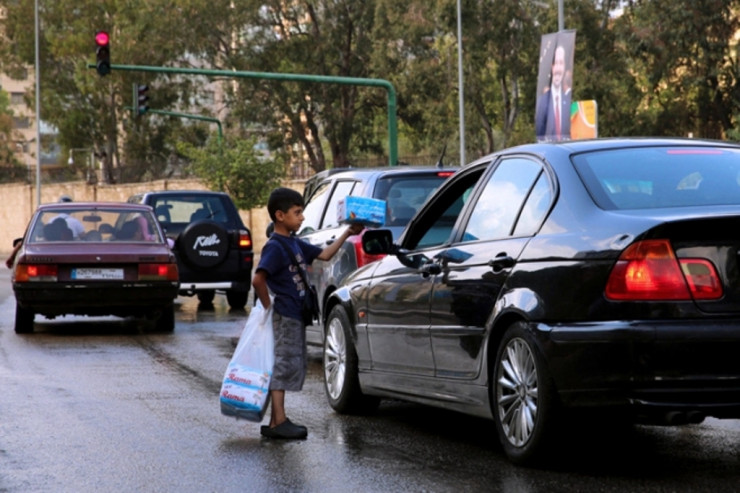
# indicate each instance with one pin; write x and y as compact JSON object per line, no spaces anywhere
{"x":355,"y":229}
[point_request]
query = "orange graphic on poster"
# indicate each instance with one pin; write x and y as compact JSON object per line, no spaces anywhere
{"x":583,"y":120}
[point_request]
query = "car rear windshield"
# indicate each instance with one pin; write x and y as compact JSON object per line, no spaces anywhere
{"x":175,"y":212}
{"x":655,"y":177}
{"x":94,"y":225}
{"x":404,"y":195}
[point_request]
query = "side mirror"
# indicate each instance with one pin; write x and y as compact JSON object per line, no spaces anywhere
{"x":378,"y":242}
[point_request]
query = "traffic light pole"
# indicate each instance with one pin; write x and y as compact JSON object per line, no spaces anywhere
{"x":323,"y":79}
{"x":192,"y":117}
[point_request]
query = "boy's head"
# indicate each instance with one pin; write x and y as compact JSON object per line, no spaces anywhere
{"x":282,"y":199}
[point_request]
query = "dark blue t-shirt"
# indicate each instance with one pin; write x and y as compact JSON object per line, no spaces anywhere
{"x":283,"y":278}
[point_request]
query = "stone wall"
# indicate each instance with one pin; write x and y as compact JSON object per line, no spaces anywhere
{"x":18,"y":202}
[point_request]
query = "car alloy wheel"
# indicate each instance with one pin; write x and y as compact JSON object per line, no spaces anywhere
{"x":341,"y":373}
{"x":335,"y":358}
{"x":516,"y":392}
{"x":523,"y":396}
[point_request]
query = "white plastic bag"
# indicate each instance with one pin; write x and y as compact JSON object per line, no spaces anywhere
{"x":246,"y":386}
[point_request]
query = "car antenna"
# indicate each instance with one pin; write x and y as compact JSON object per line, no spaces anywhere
{"x":440,"y":164}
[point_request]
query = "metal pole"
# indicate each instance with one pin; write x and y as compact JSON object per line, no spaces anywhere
{"x":561,"y":21}
{"x":461,"y":96}
{"x":351,"y":81}
{"x":38,"y":105}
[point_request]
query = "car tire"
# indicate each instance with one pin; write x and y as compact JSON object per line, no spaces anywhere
{"x":237,"y":299}
{"x":206,"y":297}
{"x":522,"y":396}
{"x":165,"y":322}
{"x":341,"y":380}
{"x":204,"y":244}
{"x":23,"y":320}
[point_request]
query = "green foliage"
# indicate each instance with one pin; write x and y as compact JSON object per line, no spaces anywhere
{"x":238,"y":169}
{"x":661,"y":68}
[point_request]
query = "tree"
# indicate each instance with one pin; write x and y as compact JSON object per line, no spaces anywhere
{"x":237,"y":169}
{"x":330,"y":38}
{"x":89,"y":110}
{"x":682,"y":55}
{"x":10,"y":168}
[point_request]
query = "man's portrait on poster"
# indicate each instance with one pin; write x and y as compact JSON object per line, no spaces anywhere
{"x":552,"y":115}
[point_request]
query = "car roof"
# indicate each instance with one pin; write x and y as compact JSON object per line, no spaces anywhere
{"x":180,"y":192}
{"x":93,"y":205}
{"x":586,"y":145}
{"x":378,"y":170}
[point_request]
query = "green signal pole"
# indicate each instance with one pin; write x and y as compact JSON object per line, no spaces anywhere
{"x":192,"y":117}
{"x":324,"y":79}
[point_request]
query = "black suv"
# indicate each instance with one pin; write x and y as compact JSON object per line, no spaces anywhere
{"x":212,"y":245}
{"x":404,"y":189}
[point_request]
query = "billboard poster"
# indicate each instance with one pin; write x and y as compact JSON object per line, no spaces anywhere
{"x":584,"y":120}
{"x":554,"y":86}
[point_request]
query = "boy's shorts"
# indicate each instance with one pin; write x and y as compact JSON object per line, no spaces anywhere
{"x":291,"y":361}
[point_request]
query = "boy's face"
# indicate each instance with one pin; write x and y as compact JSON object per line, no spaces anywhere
{"x":290,"y":220}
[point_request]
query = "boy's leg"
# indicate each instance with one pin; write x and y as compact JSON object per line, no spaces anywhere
{"x":277,"y":410}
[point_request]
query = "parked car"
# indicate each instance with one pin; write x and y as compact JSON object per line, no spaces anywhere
{"x":94,"y":258}
{"x":544,"y":279}
{"x":212,"y":245}
{"x":403,"y":188}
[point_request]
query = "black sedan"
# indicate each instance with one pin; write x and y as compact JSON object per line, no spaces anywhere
{"x":94,"y":258}
{"x":546,"y":279}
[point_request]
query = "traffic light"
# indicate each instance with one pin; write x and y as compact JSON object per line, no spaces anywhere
{"x":141,"y":99}
{"x":102,"y":52}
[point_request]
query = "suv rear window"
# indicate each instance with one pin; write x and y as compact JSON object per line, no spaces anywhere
{"x":175,"y":213}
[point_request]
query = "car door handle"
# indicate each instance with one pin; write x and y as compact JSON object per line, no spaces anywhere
{"x":501,"y":262}
{"x":430,"y":269}
{"x":331,"y":240}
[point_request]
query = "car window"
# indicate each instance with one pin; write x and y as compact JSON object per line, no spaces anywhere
{"x":314,"y":208}
{"x":535,"y":208}
{"x":435,"y":225}
{"x":404,"y":195}
{"x":664,"y":176}
{"x":501,"y":200}
{"x":341,"y":190}
{"x":94,"y":225}
{"x":190,"y":208}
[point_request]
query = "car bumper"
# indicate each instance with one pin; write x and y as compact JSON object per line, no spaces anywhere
{"x":95,"y":298}
{"x":657,"y":366}
{"x":191,"y":288}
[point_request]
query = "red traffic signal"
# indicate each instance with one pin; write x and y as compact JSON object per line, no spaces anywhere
{"x":102,"y":52}
{"x":102,"y":38}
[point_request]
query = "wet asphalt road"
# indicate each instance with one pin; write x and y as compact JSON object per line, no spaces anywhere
{"x":102,"y":405}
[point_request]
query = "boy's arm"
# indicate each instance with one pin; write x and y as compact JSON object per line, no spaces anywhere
{"x":330,"y":250}
{"x":259,"y":282}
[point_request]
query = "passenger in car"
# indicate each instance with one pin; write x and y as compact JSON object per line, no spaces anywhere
{"x":58,"y":230}
{"x":131,"y":230}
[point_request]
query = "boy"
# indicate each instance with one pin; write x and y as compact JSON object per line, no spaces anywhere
{"x":277,"y":271}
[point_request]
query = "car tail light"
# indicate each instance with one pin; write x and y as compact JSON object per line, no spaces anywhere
{"x":445,"y":174}
{"x":362,"y":257}
{"x":36,"y":272}
{"x":649,"y":270}
{"x":158,"y":272}
{"x":702,"y":278}
{"x":245,"y":240}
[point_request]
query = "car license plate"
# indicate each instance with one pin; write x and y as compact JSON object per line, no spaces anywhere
{"x":85,"y":273}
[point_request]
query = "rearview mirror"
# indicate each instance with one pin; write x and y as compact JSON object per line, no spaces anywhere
{"x":378,"y":242}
